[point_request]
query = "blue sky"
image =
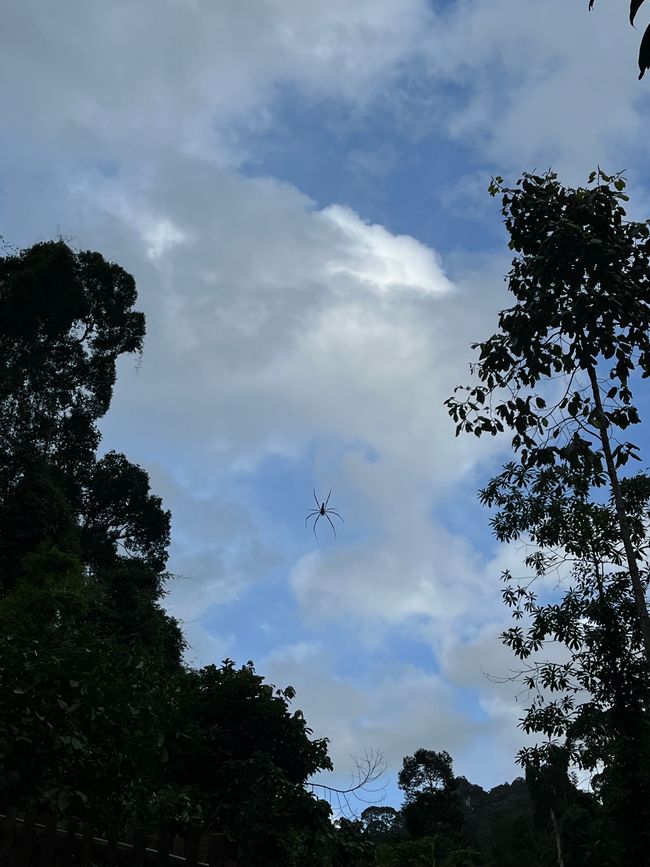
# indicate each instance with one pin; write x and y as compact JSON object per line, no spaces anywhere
{"x":299,"y":189}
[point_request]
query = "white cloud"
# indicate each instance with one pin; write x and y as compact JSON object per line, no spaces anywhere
{"x":278,"y":328}
{"x":195,"y":74}
{"x":274,"y":326}
{"x":546,"y":83}
{"x":396,"y":711}
{"x":383,"y":261}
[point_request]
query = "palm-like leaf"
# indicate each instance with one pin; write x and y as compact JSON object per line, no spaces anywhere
{"x":644,"y":50}
{"x":635,"y":5}
{"x":644,"y":53}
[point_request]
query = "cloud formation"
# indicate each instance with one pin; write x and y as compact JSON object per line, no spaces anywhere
{"x":289,"y":330}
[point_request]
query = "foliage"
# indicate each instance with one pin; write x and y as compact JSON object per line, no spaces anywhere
{"x":248,"y":758}
{"x":351,"y":845}
{"x":432,"y":806}
{"x":499,"y":823}
{"x":66,"y":318}
{"x":82,"y":720}
{"x":382,"y":823}
{"x":582,"y":285}
{"x":99,"y":716}
{"x":581,"y":279}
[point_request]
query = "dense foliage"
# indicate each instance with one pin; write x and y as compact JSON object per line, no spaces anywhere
{"x":99,"y":716}
{"x":458,"y":824}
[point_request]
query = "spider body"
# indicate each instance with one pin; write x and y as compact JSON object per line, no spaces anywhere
{"x":322,"y":511}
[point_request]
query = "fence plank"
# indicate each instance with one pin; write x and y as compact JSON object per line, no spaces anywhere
{"x":86,"y":848}
{"x":70,"y":845}
{"x":192,"y":847}
{"x":22,"y":850}
{"x":215,"y":850}
{"x":202,"y":851}
{"x":7,"y":830}
{"x":164,"y":844}
{"x":47,"y":838}
{"x":110,"y":854}
{"x":139,"y":845}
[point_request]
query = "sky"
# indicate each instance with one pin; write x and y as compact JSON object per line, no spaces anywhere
{"x":300,"y":191}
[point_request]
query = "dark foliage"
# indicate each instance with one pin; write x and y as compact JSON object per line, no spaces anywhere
{"x":99,"y":716}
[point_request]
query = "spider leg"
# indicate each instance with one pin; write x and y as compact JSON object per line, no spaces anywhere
{"x":331,"y":524}
{"x":334,"y":512}
{"x":328,"y":498}
{"x":310,"y":515}
{"x":316,"y":498}
{"x":314,"y":527}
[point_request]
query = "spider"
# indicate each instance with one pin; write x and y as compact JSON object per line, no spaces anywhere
{"x":322,"y":512}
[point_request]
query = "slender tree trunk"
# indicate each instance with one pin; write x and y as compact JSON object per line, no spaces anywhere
{"x":630,"y":553}
{"x":558,"y":841}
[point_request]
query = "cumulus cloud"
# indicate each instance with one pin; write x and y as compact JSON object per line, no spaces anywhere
{"x":536,"y":78}
{"x":396,"y":710}
{"x":280,"y":327}
{"x":196,"y":75}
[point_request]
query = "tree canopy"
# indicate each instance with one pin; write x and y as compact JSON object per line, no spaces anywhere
{"x":100,"y":717}
{"x":559,"y":375}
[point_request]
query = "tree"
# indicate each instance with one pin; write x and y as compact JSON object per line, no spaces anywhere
{"x":65,"y":318}
{"x":583,"y":290}
{"x":99,"y":717}
{"x":644,"y":51}
{"x":432,"y":806}
{"x":247,"y":759}
{"x":426,"y":772}
{"x":120,"y":516}
{"x":382,"y":823}
{"x":582,"y":284}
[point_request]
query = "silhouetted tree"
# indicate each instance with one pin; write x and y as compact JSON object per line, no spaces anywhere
{"x":582,"y":283}
{"x":99,"y":717}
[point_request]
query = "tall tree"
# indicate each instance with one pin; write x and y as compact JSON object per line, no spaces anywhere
{"x":432,"y":806}
{"x":581,"y":279}
{"x":65,"y":318}
{"x":559,"y":374}
{"x":98,"y":715}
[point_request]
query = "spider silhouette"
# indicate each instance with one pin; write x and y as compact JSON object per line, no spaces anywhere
{"x":322,"y":512}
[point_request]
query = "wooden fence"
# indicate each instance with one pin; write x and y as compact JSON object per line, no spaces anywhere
{"x":33,"y":840}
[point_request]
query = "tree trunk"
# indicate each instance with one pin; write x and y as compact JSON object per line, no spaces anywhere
{"x":558,"y":841}
{"x":630,"y":553}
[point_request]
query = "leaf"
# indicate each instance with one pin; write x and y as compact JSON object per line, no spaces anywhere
{"x":635,"y":5}
{"x":644,"y":53}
